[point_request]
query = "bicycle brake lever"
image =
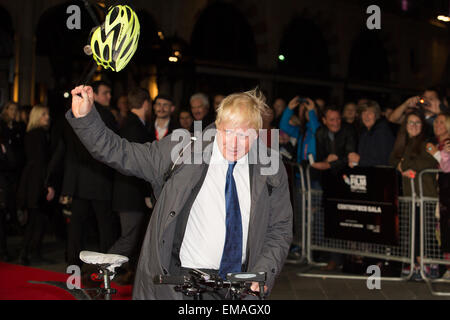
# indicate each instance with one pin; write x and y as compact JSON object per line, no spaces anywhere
{"x":205,"y":276}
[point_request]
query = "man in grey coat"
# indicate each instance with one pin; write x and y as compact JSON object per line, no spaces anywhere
{"x":196,"y":195}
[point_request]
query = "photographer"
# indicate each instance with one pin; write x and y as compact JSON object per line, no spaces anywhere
{"x":430,"y":103}
{"x":300,"y":121}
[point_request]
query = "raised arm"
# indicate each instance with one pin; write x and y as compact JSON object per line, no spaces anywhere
{"x":398,"y":114}
{"x":147,"y":161}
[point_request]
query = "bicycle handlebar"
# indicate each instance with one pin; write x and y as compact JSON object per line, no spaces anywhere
{"x":199,"y":281}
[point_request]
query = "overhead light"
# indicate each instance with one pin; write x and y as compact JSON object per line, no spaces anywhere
{"x":281,"y":57}
{"x":177,"y":53}
{"x":66,"y":95}
{"x":160,"y":35}
{"x":443,"y":18}
{"x":173,"y":59}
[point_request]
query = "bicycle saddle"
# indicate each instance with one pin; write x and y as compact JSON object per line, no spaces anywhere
{"x":109,"y":261}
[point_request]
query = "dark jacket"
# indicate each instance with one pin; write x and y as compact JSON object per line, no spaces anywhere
{"x":270,"y":231}
{"x":375,"y":145}
{"x":129,"y":192}
{"x":417,"y":163}
{"x":85,"y":177}
{"x":173,"y":124}
{"x":35,"y":176}
{"x":14,"y":138}
{"x":343,"y":144}
{"x":7,"y":164}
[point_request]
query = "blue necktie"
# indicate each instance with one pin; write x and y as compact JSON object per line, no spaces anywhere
{"x":232,"y":250}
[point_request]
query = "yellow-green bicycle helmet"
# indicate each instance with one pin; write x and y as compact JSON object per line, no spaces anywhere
{"x":115,"y":41}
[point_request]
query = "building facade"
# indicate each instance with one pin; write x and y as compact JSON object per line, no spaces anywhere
{"x":317,"y":48}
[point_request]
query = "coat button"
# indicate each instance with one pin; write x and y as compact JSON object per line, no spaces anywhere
{"x":273,"y":270}
{"x":172,"y":213}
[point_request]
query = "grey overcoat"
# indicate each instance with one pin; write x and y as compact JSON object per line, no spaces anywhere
{"x":270,"y":225}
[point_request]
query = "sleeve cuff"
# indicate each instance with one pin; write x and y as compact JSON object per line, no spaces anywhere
{"x":83,"y":122}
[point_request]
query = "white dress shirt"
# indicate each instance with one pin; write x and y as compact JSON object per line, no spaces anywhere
{"x":204,"y":237}
{"x":161,"y":131}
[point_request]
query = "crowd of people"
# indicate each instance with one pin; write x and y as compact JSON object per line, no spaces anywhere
{"x":44,"y":168}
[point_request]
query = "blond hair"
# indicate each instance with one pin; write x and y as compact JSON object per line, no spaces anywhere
{"x":35,"y":117}
{"x":245,"y":108}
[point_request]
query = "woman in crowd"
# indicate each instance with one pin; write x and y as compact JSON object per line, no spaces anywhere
{"x":375,"y":140}
{"x":35,"y":188}
{"x":301,"y":126}
{"x":441,"y":152}
{"x":410,"y":156}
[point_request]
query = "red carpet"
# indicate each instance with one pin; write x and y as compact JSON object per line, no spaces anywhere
{"x":14,"y":285}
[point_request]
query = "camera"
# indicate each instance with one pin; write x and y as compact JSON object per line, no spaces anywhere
{"x":302,"y":100}
{"x":422,"y":103}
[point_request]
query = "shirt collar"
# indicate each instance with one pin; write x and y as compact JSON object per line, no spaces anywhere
{"x":165,"y":126}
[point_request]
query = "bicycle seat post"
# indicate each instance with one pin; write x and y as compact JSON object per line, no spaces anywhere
{"x":107,"y":283}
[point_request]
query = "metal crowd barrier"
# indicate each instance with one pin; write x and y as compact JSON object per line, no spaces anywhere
{"x":316,"y":241}
{"x":430,"y":251}
{"x":299,"y":207}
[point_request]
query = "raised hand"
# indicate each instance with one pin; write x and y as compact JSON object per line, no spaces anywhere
{"x":353,"y":159}
{"x":431,"y":148}
{"x":409,"y":173}
{"x":309,"y":104}
{"x":412,"y":102}
{"x":293,"y":103}
{"x":82,"y":101}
